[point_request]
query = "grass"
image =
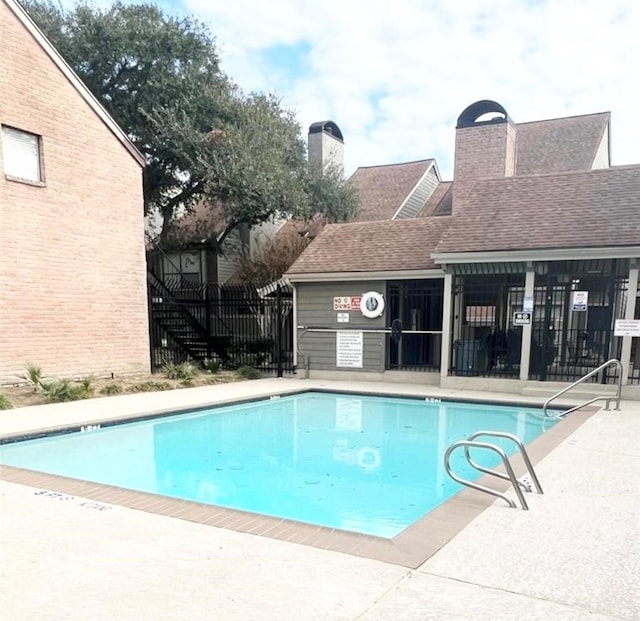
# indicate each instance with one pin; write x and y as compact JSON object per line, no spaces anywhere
{"x":5,"y":402}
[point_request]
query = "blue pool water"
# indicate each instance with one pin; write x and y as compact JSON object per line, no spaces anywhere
{"x":368,"y":464}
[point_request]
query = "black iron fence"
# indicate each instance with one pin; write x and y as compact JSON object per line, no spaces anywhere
{"x":485,"y":341}
{"x":226,"y":325}
{"x":415,"y":307}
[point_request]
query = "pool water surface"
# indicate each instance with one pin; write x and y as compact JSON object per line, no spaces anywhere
{"x":372,"y":465}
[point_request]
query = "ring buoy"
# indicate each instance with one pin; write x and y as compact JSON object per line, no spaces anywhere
{"x":369,"y":458}
{"x":372,"y":304}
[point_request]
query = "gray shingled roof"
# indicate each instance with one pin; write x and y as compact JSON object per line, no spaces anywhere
{"x":382,"y":189}
{"x":598,"y":208}
{"x":383,"y":245}
{"x":559,"y":145}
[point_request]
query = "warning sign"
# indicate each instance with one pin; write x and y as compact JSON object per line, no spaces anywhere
{"x":521,"y":319}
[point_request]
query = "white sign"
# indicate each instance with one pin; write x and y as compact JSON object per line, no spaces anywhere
{"x":521,"y":319}
{"x":343,"y":318}
{"x":349,"y":347}
{"x":627,"y":327}
{"x":347,"y":302}
{"x":527,"y":304}
{"x":579,"y":302}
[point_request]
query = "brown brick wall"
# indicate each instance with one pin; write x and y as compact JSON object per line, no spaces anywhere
{"x":485,"y":151}
{"x":482,"y":152}
{"x":72,"y":265}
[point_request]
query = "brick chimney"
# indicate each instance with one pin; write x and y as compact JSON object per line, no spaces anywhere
{"x":325,"y":145}
{"x":485,"y":143}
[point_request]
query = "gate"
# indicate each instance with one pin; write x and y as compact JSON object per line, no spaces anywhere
{"x":576,"y":304}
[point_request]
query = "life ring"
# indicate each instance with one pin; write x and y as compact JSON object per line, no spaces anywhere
{"x":369,"y":458}
{"x":372,"y":304}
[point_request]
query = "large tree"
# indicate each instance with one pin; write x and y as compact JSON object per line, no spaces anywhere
{"x":203,"y":138}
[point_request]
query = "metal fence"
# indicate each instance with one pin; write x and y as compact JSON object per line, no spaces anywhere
{"x":485,"y":343}
{"x":228,"y":325}
{"x":415,"y":306}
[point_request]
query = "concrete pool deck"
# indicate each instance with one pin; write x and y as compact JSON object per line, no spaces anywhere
{"x":574,"y":555}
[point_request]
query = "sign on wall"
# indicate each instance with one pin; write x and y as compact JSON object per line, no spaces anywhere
{"x":349,"y":349}
{"x":342,"y":318}
{"x":347,"y":302}
{"x":521,"y":319}
{"x":579,"y":300}
{"x":627,"y":327}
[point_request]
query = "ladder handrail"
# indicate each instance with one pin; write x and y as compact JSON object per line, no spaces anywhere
{"x":607,"y":398}
{"x":481,"y":488}
{"x":523,"y":452}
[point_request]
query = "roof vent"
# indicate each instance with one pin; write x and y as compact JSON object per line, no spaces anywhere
{"x":482,"y":113}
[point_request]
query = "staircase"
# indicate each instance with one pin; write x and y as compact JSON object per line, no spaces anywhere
{"x":174,"y":318}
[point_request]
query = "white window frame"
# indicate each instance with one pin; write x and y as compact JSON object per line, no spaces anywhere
{"x":22,"y":155}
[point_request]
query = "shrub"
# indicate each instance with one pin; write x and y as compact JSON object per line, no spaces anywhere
{"x":211,"y":366}
{"x":151,"y":386}
{"x":65,"y":390}
{"x":181,"y":371}
{"x":5,"y":404}
{"x":249,"y":373}
{"x":111,"y":389}
{"x":33,"y":375}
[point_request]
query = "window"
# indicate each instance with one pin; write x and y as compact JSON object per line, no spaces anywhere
{"x":21,"y":155}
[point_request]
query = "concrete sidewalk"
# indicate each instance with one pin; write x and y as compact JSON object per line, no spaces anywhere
{"x":575,"y":555}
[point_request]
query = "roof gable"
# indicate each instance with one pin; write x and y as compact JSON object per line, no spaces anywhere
{"x":384,"y":189}
{"x":560,"y":145}
{"x":75,"y":81}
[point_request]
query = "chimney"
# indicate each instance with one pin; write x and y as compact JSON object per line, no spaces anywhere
{"x":485,"y":143}
{"x":325,"y":145}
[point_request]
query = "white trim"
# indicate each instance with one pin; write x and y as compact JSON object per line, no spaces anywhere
{"x":75,"y":81}
{"x":543,"y":254}
{"x":357,"y":276}
{"x":411,"y":193}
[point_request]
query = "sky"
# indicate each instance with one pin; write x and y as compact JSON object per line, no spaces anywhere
{"x":395,"y":75}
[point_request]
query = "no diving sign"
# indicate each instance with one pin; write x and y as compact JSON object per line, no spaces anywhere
{"x":521,"y":318}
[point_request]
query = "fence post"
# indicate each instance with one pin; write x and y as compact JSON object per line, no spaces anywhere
{"x":207,"y":319}
{"x":279,"y":329}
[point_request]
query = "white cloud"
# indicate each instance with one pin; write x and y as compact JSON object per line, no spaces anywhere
{"x":395,"y":75}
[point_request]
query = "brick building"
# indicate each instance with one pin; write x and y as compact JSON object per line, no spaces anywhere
{"x":523,"y":268}
{"x":72,"y":268}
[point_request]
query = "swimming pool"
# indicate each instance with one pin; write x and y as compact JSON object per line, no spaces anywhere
{"x":368,"y":464}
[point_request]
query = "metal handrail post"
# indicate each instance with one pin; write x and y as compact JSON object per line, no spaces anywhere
{"x":523,"y":452}
{"x":481,"y":488}
{"x":607,"y":398}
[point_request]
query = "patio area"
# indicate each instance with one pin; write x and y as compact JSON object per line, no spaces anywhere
{"x":575,"y":555}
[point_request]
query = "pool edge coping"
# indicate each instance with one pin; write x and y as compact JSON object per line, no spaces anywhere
{"x":410,"y":548}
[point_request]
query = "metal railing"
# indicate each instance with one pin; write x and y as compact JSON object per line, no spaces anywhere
{"x":518,"y":486}
{"x":607,"y":398}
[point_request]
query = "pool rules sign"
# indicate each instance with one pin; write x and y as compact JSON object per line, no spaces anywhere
{"x":349,"y":349}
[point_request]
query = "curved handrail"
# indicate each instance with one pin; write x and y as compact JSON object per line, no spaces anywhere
{"x":523,"y":452}
{"x":608,"y":398}
{"x":481,"y":488}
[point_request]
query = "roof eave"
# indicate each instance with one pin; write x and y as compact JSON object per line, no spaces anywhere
{"x":358,"y":276}
{"x":75,"y":81}
{"x":539,"y":254}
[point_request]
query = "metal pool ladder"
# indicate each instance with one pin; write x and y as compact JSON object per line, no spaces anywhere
{"x":518,"y":486}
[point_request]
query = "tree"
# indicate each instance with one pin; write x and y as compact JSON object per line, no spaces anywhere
{"x":203,"y":138}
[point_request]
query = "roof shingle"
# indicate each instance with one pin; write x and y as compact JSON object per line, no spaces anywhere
{"x":598,"y":208}
{"x":559,"y":145}
{"x":384,"y":245}
{"x":383,"y":189}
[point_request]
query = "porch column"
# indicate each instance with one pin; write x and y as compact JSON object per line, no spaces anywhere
{"x":447,"y":300}
{"x":632,"y":291}
{"x":525,"y":349}
{"x":295,"y":326}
